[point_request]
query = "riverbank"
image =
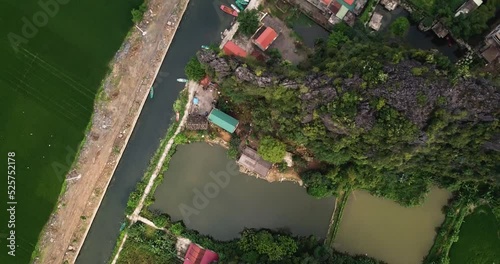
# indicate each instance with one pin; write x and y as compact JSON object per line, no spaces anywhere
{"x":117,"y":109}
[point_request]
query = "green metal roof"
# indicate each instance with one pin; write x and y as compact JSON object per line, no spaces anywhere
{"x":223,"y":120}
{"x":348,"y":6}
{"x":342,"y":12}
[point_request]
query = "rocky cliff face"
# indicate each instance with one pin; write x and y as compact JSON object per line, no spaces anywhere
{"x":415,"y":96}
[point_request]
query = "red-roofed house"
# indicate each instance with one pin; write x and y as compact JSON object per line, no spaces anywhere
{"x":230,"y":48}
{"x":198,"y":255}
{"x":264,"y":37}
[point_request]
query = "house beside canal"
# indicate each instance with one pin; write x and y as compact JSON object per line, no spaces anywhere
{"x":254,"y":163}
{"x":264,"y":37}
{"x":223,"y":120}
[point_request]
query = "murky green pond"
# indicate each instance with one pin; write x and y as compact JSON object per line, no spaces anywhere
{"x":203,"y":188}
{"x":387,"y":231}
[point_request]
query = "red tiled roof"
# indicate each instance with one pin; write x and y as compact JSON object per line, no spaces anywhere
{"x":205,"y":81}
{"x":197,"y":255}
{"x":349,"y":2}
{"x":230,"y":48}
{"x":326,"y":2}
{"x":266,"y":38}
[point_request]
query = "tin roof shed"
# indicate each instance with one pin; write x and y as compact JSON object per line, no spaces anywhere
{"x":223,"y":120}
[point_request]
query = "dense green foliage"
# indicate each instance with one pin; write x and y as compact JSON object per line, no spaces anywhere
{"x":271,"y":149}
{"x":479,"y":240}
{"x":474,"y":23}
{"x":147,"y":245}
{"x":447,"y":233}
{"x":400,"y":26}
{"x":263,"y":246}
{"x":463,"y":26}
{"x":249,"y":22}
{"x":194,"y":70}
{"x":138,"y":13}
{"x":397,"y":156}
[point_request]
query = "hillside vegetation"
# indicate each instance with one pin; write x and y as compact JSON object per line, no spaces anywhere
{"x":375,"y":116}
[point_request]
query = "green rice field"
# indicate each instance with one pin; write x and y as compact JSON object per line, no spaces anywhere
{"x":53,"y":59}
{"x":479,"y":240}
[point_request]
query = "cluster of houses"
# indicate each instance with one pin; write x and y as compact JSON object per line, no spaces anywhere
{"x":340,"y":10}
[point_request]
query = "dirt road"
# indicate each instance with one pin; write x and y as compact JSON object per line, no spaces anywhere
{"x":125,"y":91}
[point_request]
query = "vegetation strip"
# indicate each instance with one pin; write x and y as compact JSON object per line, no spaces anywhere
{"x":337,"y":218}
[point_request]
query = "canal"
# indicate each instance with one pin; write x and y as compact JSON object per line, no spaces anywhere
{"x":202,"y":24}
{"x":204,"y":188}
{"x":389,"y":232}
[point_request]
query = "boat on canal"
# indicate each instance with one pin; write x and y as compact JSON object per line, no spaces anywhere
{"x":235,"y":8}
{"x":182,"y":80}
{"x":151,"y":92}
{"x":229,"y":10}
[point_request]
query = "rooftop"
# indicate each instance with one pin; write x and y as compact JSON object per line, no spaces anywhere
{"x":198,"y":255}
{"x":223,"y":120}
{"x":196,"y":122}
{"x":491,"y":54}
{"x":264,"y":37}
{"x":349,"y":4}
{"x":376,"y":21}
{"x":230,"y":48}
{"x":342,"y":12}
{"x":390,"y":4}
{"x":440,"y":30}
{"x":253,"y":162}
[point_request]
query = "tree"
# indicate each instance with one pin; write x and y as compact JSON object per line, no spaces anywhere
{"x":194,"y":70}
{"x":271,"y":149}
{"x":249,"y":22}
{"x":138,"y":13}
{"x":400,"y":26}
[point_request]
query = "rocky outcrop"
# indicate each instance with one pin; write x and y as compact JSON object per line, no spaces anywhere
{"x":410,"y":87}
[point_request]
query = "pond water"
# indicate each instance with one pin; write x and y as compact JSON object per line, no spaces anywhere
{"x":387,"y":231}
{"x":204,"y":188}
{"x":415,"y":38}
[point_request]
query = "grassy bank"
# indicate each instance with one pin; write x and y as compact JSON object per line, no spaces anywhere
{"x":447,"y":233}
{"x":337,"y":217}
{"x":136,"y":195}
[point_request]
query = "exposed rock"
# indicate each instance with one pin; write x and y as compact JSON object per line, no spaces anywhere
{"x":289,"y":84}
{"x":366,"y":116}
{"x":244,"y":74}
{"x":332,"y":126}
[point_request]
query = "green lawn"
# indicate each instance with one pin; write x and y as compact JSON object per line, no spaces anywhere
{"x":47,"y":88}
{"x":479,"y":240}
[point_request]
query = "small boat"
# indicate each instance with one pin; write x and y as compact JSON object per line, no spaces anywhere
{"x":151,"y":92}
{"x":235,"y":8}
{"x":205,"y":47}
{"x":242,"y":3}
{"x":124,"y":224}
{"x":177,"y":116}
{"x":229,"y":10}
{"x":240,"y":6}
{"x":182,"y":80}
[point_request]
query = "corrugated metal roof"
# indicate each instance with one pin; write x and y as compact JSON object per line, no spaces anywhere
{"x":266,"y":38}
{"x":252,"y":161}
{"x":230,"y":48}
{"x":343,"y":10}
{"x":223,"y":120}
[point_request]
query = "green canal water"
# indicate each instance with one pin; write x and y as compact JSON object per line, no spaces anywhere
{"x":387,"y":231}
{"x":203,"y":188}
{"x":47,"y":88}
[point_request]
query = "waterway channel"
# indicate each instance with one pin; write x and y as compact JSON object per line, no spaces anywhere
{"x":202,"y":24}
{"x":385,"y":230}
{"x":204,"y":188}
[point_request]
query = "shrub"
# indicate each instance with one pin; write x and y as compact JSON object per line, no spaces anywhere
{"x":138,"y":13}
{"x":271,"y":149}
{"x":194,"y":70}
{"x":249,"y":22}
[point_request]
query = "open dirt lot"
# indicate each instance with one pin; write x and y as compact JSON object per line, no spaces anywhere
{"x":126,"y":89}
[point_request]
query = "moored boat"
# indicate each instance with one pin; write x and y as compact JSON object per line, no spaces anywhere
{"x":229,"y":10}
{"x":182,"y":80}
{"x":235,"y":8}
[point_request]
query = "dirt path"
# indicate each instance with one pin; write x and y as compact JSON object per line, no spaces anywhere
{"x":125,"y":91}
{"x":192,"y":87}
